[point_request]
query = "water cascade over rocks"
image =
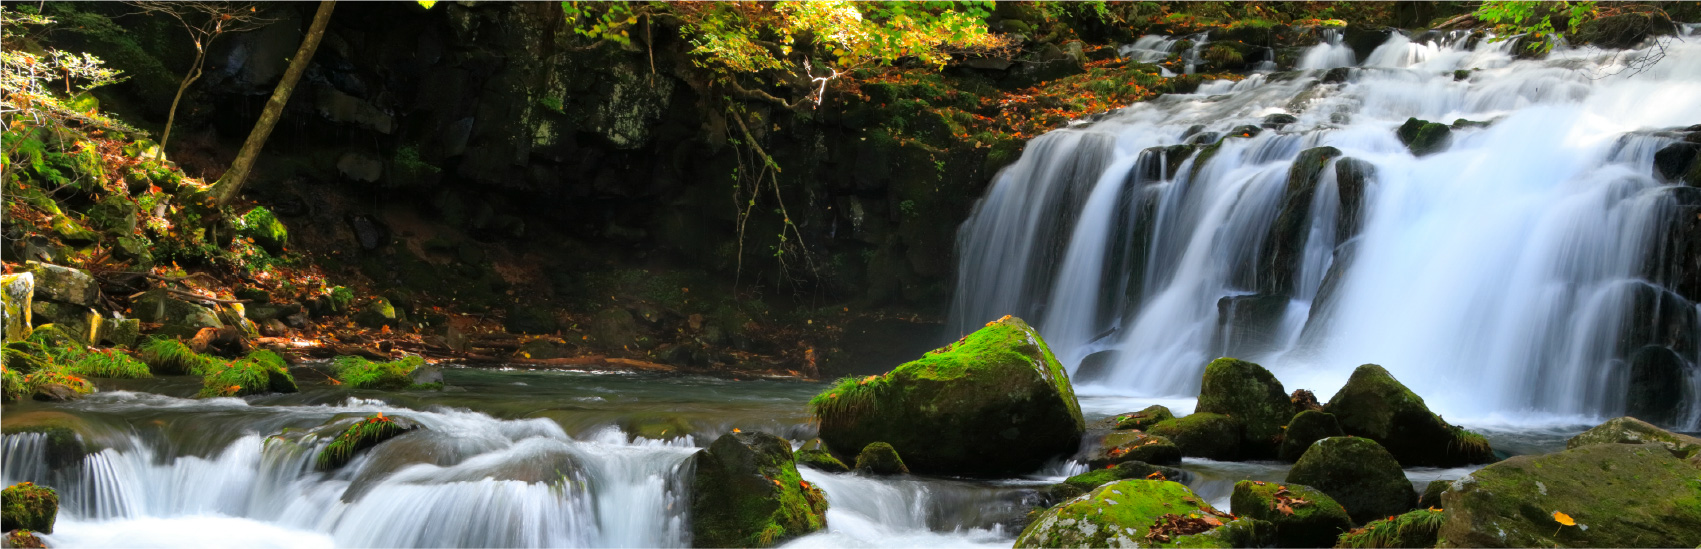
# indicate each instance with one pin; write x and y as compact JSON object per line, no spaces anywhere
{"x":1519,"y":271}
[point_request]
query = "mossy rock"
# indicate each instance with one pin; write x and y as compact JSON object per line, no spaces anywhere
{"x":1143,"y":419}
{"x":109,"y":363}
{"x":1303,"y":516}
{"x":1210,"y":436}
{"x":172,"y":357}
{"x":1284,"y":246}
{"x":747,"y":493}
{"x":881,"y":459}
{"x":1419,"y":528}
{"x":995,"y":403}
{"x":363,"y":434}
{"x":1424,"y":137}
{"x":1376,"y":406}
{"x":179,"y":316}
{"x":64,"y":284}
{"x":1125,"y":471}
{"x":23,"y":539}
{"x":82,"y":323}
{"x":657,"y":426}
{"x":1432,"y":494}
{"x":1246,"y":391}
{"x":28,"y":506}
{"x":68,"y":438}
{"x":359,"y":373}
{"x":12,"y":386}
{"x":260,"y":372}
{"x":1119,"y":446}
{"x":1304,"y":429}
{"x":1618,"y":495}
{"x":377,"y":313}
{"x":1361,"y":475}
{"x":123,"y":332}
{"x":56,"y":384}
{"x":821,"y":459}
{"x":1629,"y":430}
{"x":17,"y":292}
{"x":1124,"y":513}
{"x":530,"y":320}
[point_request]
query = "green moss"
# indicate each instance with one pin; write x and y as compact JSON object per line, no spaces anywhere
{"x":24,"y":357}
{"x":29,"y":506}
{"x":1376,"y":406}
{"x":23,"y":539}
{"x":881,"y":459}
{"x":1121,"y":471}
{"x":820,"y":459}
{"x":57,"y":374}
{"x":1121,"y":446}
{"x":259,"y":372}
{"x":1629,"y":430}
{"x":262,"y":226}
{"x":1143,"y":419}
{"x":12,"y":386}
{"x":1418,"y":528}
{"x":110,"y":363}
{"x":1122,"y":514}
{"x":360,"y":373}
{"x":1304,"y":429}
{"x":747,"y":493}
{"x":364,"y":434}
{"x":1210,"y":436}
{"x":1424,"y":137}
{"x":1249,"y":393}
{"x":57,"y":344}
{"x":172,"y":357}
{"x":341,"y":299}
{"x":1303,"y":516}
{"x":1359,"y":474}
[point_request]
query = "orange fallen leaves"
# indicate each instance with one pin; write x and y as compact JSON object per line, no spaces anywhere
{"x":1563,"y":518}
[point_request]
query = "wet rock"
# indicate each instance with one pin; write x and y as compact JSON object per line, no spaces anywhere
{"x":1278,"y":120}
{"x":1305,"y":428}
{"x":1352,"y":178}
{"x":427,"y":374}
{"x":881,"y":459}
{"x":64,"y":284}
{"x":747,"y":493}
{"x":377,"y":313}
{"x":1617,"y":495}
{"x":530,"y":320}
{"x":1303,"y":516}
{"x":358,"y":437}
{"x":1629,"y":430}
{"x":1206,"y":435}
{"x":121,"y":332}
{"x":1676,"y":163}
{"x":1121,"y":446}
{"x":1248,"y":324}
{"x":68,"y":438}
{"x":994,"y":403}
{"x":27,"y":506}
{"x":1424,"y":137}
{"x":260,"y":225}
{"x":80,"y":322}
{"x":1251,"y":394}
{"x":55,"y":392}
{"x":818,"y":458}
{"x":369,"y":232}
{"x":1376,"y":406}
{"x":1285,"y":243}
{"x":17,"y":292}
{"x":1431,"y":497}
{"x":180,"y":317}
{"x":1656,"y":384}
{"x":1143,"y":419}
{"x":1124,"y":471}
{"x":1125,"y":513}
{"x":259,"y":372}
{"x":1359,"y":474}
{"x":1096,"y":366}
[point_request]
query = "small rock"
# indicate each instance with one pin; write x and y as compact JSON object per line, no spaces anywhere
{"x":881,"y":459}
{"x":1303,"y":516}
{"x":1359,"y":474}
{"x":1210,"y":436}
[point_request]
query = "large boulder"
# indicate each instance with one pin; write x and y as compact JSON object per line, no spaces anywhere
{"x":1210,"y":436}
{"x":1142,"y":513}
{"x":747,"y":493}
{"x":881,"y":459}
{"x":180,"y":317}
{"x":1629,"y":430}
{"x":1359,"y":474}
{"x":1304,"y":429}
{"x":1249,"y":393}
{"x":1303,"y":516}
{"x":16,"y":293}
{"x":64,"y":284}
{"x":1120,"y":446}
{"x":1424,"y":137}
{"x":1598,"y":495}
{"x":995,"y":403}
{"x":1376,"y":406}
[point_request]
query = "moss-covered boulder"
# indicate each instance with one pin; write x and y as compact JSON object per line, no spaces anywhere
{"x":995,"y":403}
{"x":747,"y":493}
{"x":1431,"y":496}
{"x":1141,"y":420}
{"x":1246,"y":391}
{"x":123,"y":332}
{"x":67,"y":438}
{"x":16,"y":293}
{"x":1376,"y":406}
{"x":1305,"y":428}
{"x":1629,"y":430}
{"x":819,"y":458}
{"x":1303,"y":516}
{"x":1418,"y":528}
{"x":1613,"y":495}
{"x":881,"y":459}
{"x":260,"y":372}
{"x":64,"y":284}
{"x":377,"y":313}
{"x":358,"y":373}
{"x":1125,"y":471}
{"x":179,"y":317}
{"x":173,"y":357}
{"x":1119,"y":446}
{"x":23,"y":539}
{"x":260,"y":225}
{"x":56,"y":384}
{"x":1210,"y":436}
{"x":28,"y":506}
{"x":1361,"y":475}
{"x":653,"y":426}
{"x":363,"y":434}
{"x":1142,"y":513}
{"x":1424,"y":137}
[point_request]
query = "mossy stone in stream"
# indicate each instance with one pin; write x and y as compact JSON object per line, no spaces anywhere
{"x":1125,"y":471}
{"x":1303,"y":516}
{"x":359,"y":373}
{"x":994,"y":403}
{"x":67,"y":436}
{"x":260,"y":225}
{"x":1376,"y":406}
{"x":881,"y":459}
{"x":1251,"y":394}
{"x":1424,"y":137}
{"x":1142,"y":513}
{"x":1629,"y":430}
{"x":28,"y":506}
{"x":23,"y":539}
{"x":109,"y":363}
{"x":1304,"y":429}
{"x":1418,"y":528}
{"x":260,"y":372}
{"x":364,"y":434}
{"x":1432,"y":493}
{"x":1143,"y":419}
{"x":166,"y":356}
{"x":747,"y":493}
{"x":1362,"y":476}
{"x":657,"y":426}
{"x":1210,"y":436}
{"x":821,"y":459}
{"x":1119,"y":446}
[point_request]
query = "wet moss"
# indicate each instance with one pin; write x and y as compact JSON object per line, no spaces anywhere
{"x":1251,"y":394}
{"x":172,"y":357}
{"x":1303,"y":516}
{"x":1121,"y":446}
{"x":1359,"y":474}
{"x":1210,"y":436}
{"x":56,"y":375}
{"x":1424,"y":137}
{"x":364,"y":434}
{"x":1143,"y":419}
{"x":109,"y":363}
{"x":1376,"y":406}
{"x":879,"y":458}
{"x":747,"y":493}
{"x":1123,"y":514}
{"x":1420,"y":528}
{"x":260,"y":372}
{"x":29,"y":506}
{"x":1123,"y":471}
{"x":360,"y":373}
{"x":12,"y":386}
{"x":262,"y":226}
{"x":820,"y":459}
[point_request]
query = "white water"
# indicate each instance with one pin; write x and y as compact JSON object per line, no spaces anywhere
{"x":1493,"y":277}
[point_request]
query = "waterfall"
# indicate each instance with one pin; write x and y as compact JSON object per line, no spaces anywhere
{"x":1506,"y":278}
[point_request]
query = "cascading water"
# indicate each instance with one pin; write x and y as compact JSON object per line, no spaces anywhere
{"x":1497,"y":277}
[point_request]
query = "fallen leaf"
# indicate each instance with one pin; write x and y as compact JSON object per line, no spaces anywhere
{"x":1563,"y":518}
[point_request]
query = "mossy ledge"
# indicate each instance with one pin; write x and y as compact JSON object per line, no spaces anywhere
{"x":360,"y":373}
{"x":259,"y":372}
{"x":364,"y":434}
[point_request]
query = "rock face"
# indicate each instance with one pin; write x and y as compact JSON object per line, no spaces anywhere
{"x":1305,"y":428}
{"x":27,"y":506}
{"x":1210,"y":436}
{"x":1376,"y":406}
{"x":1249,"y":393}
{"x":1121,"y":446}
{"x":995,"y":403}
{"x":1618,"y":495}
{"x":1359,"y":474}
{"x":747,"y":493}
{"x":1303,"y":516}
{"x":879,"y":458}
{"x":1629,"y":430}
{"x":1126,"y":513}
{"x":1285,"y":243}
{"x":64,"y":284}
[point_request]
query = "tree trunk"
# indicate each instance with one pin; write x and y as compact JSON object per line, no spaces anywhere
{"x":230,"y":184}
{"x":194,"y":74}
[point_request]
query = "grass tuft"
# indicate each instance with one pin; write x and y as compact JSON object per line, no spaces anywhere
{"x":173,"y":357}
{"x":362,"y":435}
{"x":109,"y":363}
{"x":1418,"y":528}
{"x":360,"y":373}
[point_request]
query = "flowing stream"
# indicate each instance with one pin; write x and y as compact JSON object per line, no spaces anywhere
{"x":1498,"y":277}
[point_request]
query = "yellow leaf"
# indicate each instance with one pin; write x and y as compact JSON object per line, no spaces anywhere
{"x":1563,"y":518}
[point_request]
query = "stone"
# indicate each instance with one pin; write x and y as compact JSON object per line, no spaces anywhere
{"x":1673,"y":161}
{"x":746,"y":493}
{"x":1278,"y":120}
{"x":1629,"y":430}
{"x":1304,"y":429}
{"x":820,"y":459}
{"x":360,"y":167}
{"x":1424,"y":137}
{"x":162,"y":307}
{"x":64,"y":284}
{"x":377,"y":313}
{"x":1251,"y":394}
{"x":1623,"y":31}
{"x":69,"y":438}
{"x":1125,"y":513}
{"x":1095,"y":478}
{"x":269,"y":233}
{"x":362,"y":435}
{"x":881,"y":459}
{"x":1143,"y":419}
{"x":1284,"y":244}
{"x":995,"y":403}
{"x":1205,"y":435}
{"x":1656,"y":384}
{"x":1359,"y":474}
{"x":77,"y":321}
{"x":121,"y":332}
{"x":1249,"y":324}
{"x":27,"y":506}
{"x":1303,"y":516}
{"x":18,"y":292}
{"x":614,"y":328}
{"x":1121,"y":446}
{"x":1617,"y":495}
{"x":1431,"y":497}
{"x":1376,"y":406}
